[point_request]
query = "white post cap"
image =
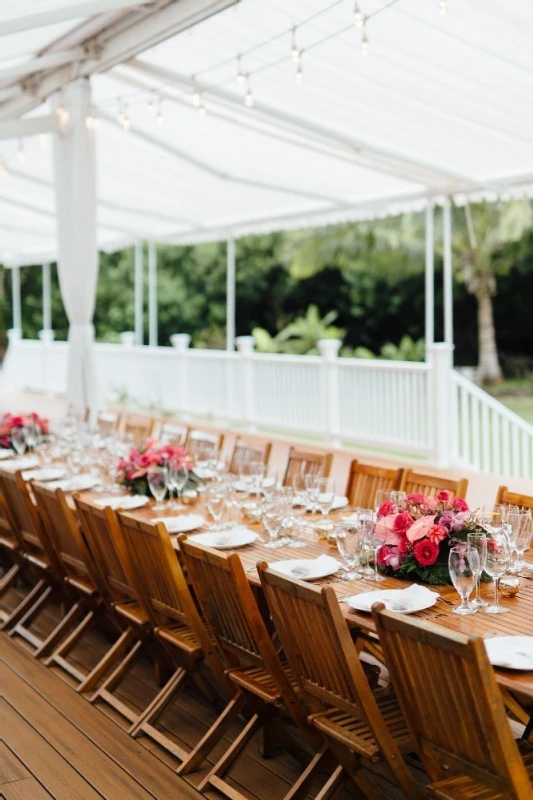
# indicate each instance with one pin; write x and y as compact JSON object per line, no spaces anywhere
{"x":127,"y":338}
{"x":329,"y":348}
{"x":245,"y":344}
{"x":180,"y":341}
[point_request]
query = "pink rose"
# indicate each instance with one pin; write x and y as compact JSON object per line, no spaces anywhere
{"x":420,"y":528}
{"x":437,"y":533}
{"x":389,"y":557}
{"x":416,"y":498}
{"x":443,"y":496}
{"x":402,"y":523}
{"x":431,"y":503}
{"x":144,"y":460}
{"x":386,"y":509}
{"x":426,"y":552}
{"x":459,"y":504}
{"x":385,"y":530}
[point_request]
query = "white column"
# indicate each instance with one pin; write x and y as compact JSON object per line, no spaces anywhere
{"x":15,"y":299}
{"x":448,"y":275}
{"x":139,"y":300}
{"x":245,"y":346}
{"x":230,"y":295}
{"x":329,"y":350}
{"x":181,"y":342}
{"x":430,"y":278}
{"x":152,"y":294}
{"x":75,"y":190}
{"x":442,"y":409}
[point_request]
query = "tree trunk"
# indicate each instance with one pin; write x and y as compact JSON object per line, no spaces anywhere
{"x":489,"y":370}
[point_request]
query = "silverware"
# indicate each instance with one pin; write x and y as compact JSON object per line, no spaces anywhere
{"x":446,"y":602}
{"x":250,"y":569}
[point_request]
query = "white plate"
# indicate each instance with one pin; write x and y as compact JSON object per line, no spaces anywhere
{"x":45,"y":474}
{"x":338,"y":502}
{"x":26,"y":462}
{"x":80,"y":483}
{"x":225,"y":540}
{"x":511,"y":652}
{"x":307,"y":569}
{"x":123,"y":502}
{"x":394,"y":600}
{"x":6,"y":453}
{"x":184,"y":523}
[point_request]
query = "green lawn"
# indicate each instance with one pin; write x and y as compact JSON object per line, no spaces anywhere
{"x":517,"y":395}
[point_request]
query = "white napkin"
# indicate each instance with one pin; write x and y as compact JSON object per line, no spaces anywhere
{"x":45,"y":474}
{"x":28,"y":462}
{"x":80,"y":483}
{"x":306,"y":568}
{"x":181,"y":524}
{"x":401,"y":600}
{"x":205,"y":473}
{"x":5,"y":453}
{"x":504,"y":652}
{"x":125,"y":502}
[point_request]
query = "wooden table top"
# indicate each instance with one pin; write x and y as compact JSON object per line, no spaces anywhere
{"x":519,"y":620}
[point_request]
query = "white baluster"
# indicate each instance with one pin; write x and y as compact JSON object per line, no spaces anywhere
{"x":245,"y":346}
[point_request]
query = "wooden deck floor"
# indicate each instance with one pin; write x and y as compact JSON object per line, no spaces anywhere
{"x":90,"y":747}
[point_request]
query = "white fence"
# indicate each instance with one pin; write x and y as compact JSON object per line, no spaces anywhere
{"x":424,"y":409}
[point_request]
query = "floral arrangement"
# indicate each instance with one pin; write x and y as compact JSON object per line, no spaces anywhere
{"x":417,"y":536}
{"x":132,"y":471}
{"x":10,"y":421}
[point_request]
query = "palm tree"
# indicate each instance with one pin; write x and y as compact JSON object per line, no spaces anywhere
{"x":300,"y":337}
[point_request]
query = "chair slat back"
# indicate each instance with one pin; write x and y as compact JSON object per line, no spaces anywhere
{"x":249,"y":450}
{"x":451,"y":701}
{"x":507,"y":498}
{"x":104,"y":538}
{"x":431,"y":484}
{"x":365,"y":480}
{"x":64,"y":532}
{"x":137,"y":426}
{"x":107,"y":422}
{"x":169,"y":431}
{"x":24,"y":517}
{"x":198,"y":439}
{"x":305,"y":462}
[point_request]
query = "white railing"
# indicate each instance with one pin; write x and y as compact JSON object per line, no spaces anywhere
{"x":488,"y":436}
{"x":426,"y":409}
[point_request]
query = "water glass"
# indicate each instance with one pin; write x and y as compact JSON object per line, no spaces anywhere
{"x":374,"y":543}
{"x":178,"y":475}
{"x":18,"y":438}
{"x":216,"y":503}
{"x":298,"y":510}
{"x":157,"y":478}
{"x":33,"y":435}
{"x":464,"y":567}
{"x":498,"y":562}
{"x":383,"y":496}
{"x":520,"y":528}
{"x":273,"y":513}
{"x":349,"y":538}
{"x":479,"y":542}
{"x":312,"y":487}
{"x":269,"y":483}
{"x":326,"y":495}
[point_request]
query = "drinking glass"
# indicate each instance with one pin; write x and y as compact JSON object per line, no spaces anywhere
{"x":18,"y":438}
{"x":349,"y":540}
{"x":479,"y":542}
{"x":312,"y":486}
{"x":498,"y":561}
{"x":464,"y":566}
{"x":33,"y":435}
{"x":375,"y":544}
{"x":75,"y":461}
{"x":157,"y":478}
{"x":326,"y":495}
{"x":520,"y":529}
{"x":383,"y":496}
{"x":298,"y":510}
{"x":179,"y":475}
{"x":273,"y":513}
{"x":216,"y":503}
{"x":269,"y":483}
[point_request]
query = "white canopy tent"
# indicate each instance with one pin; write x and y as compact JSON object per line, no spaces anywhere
{"x":406,"y":106}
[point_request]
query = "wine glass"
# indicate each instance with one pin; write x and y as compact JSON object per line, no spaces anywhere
{"x":157,"y":478}
{"x":349,"y":540}
{"x":498,"y":561}
{"x":326,"y":495}
{"x":375,"y":544}
{"x":479,"y":542}
{"x":269,"y":483}
{"x":33,"y":435}
{"x":216,"y":503}
{"x":18,"y":439}
{"x":382,"y":496}
{"x":520,"y":528}
{"x":464,"y":567}
{"x":298,"y":510}
{"x":272,"y":514}
{"x":178,"y":475}
{"x":312,"y":488}
{"x":399,"y":499}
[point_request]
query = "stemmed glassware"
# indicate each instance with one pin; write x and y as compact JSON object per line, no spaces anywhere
{"x":349,"y":538}
{"x":298,"y":510}
{"x":382,"y":496}
{"x":464,"y":567}
{"x":178,"y":475}
{"x":18,"y":438}
{"x":479,"y":542}
{"x":273,"y":514}
{"x":520,"y":525}
{"x":33,"y":435}
{"x":374,"y":543}
{"x":498,"y":561}
{"x":326,"y":495}
{"x":216,"y":503}
{"x":157,"y":478}
{"x":312,"y":486}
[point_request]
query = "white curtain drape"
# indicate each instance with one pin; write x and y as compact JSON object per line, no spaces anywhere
{"x":75,"y":184}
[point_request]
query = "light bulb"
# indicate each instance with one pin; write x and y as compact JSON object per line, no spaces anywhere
{"x":299,"y":75}
{"x":121,"y":117}
{"x":443,"y":7}
{"x":248,"y":99}
{"x":358,"y":16}
{"x":151,"y":108}
{"x":295,"y":54}
{"x":21,"y":156}
{"x":3,"y":171}
{"x":160,"y":120}
{"x":89,"y":122}
{"x":63,"y":115}
{"x":96,"y":121}
{"x":202,"y":110}
{"x":196,"y":99}
{"x":44,"y":140}
{"x":241,"y":80}
{"x":126,"y":124}
{"x":364,"y":45}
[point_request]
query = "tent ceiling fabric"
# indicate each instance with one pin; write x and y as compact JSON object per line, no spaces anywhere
{"x":439,"y":106}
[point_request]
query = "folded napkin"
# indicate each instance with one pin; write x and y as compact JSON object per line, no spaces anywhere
{"x":183,"y":523}
{"x":306,"y":569}
{"x":511,"y":652}
{"x":4,"y":453}
{"x":80,"y":483}
{"x":401,"y":600}
{"x":204,"y":473}
{"x":45,"y":474}
{"x":28,"y":462}
{"x":125,"y":502}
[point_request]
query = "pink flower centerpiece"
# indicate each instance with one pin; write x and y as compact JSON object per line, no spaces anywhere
{"x":133,"y":470}
{"x":417,"y":536}
{"x":10,"y":421}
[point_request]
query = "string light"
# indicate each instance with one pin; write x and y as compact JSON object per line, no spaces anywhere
{"x":3,"y":171}
{"x":160,"y":118}
{"x":92,"y":121}
{"x":241,"y":77}
{"x":63,"y":115}
{"x":364,"y":43}
{"x":21,"y":155}
{"x":443,"y":7}
{"x":121,"y":116}
{"x":295,"y":50}
{"x":248,"y":97}
{"x":44,"y":140}
{"x":299,"y":73}
{"x":359,"y":17}
{"x":150,"y":107}
{"x":202,"y":110}
{"x":127,"y":123}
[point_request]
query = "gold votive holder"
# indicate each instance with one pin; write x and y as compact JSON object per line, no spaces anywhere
{"x":509,"y":585}
{"x":324,"y":528}
{"x":252,"y":511}
{"x":189,"y":497}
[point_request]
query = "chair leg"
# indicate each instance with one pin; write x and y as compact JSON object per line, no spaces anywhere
{"x":319,"y":763}
{"x":215,"y":778}
{"x":26,"y":611}
{"x":8,"y":578}
{"x":116,"y":652}
{"x":362,"y":784}
{"x":151,"y":714}
{"x":14,"y":616}
{"x":332,"y":785}
{"x":213,"y":735}
{"x":61,"y":629}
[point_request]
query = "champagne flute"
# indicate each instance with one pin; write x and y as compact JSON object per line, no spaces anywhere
{"x":520,"y":525}
{"x":157,"y":478}
{"x":33,"y":434}
{"x":464,"y":566}
{"x":498,"y":561}
{"x":375,"y":544}
{"x":312,"y":488}
{"x":179,"y":476}
{"x":479,"y":542}
{"x":216,"y":504}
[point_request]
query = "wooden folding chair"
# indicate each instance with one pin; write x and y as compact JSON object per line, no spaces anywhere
{"x":261,"y":678}
{"x":170,"y":431}
{"x":431,"y":484}
{"x":305,"y":462}
{"x":507,"y":498}
{"x":197,"y":441}
{"x":137,"y":426}
{"x":178,"y":626}
{"x":39,"y":558}
{"x":247,"y":450}
{"x":104,"y":538}
{"x":365,"y":480}
{"x":11,"y":554}
{"x":361,"y":727}
{"x":448,"y":693}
